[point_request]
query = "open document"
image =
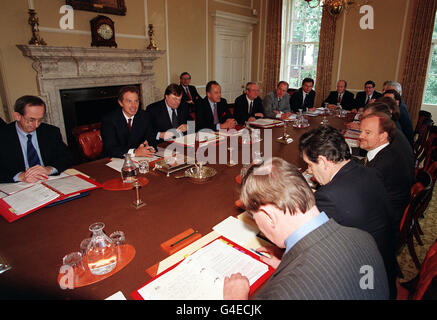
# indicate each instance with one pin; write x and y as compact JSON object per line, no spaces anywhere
{"x":34,"y":196}
{"x":201,"y":275}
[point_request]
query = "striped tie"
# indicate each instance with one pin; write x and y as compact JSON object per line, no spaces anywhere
{"x":32,"y":155}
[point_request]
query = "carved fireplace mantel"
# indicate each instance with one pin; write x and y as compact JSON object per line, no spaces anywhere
{"x":61,"y":68}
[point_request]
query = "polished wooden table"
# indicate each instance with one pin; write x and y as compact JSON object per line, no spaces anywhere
{"x":35,"y":244}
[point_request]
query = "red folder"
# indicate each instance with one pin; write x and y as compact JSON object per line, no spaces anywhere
{"x":7,"y":212}
{"x":135,"y":294}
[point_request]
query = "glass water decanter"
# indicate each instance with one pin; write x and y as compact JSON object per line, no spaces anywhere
{"x":101,"y":252}
{"x":129,"y":171}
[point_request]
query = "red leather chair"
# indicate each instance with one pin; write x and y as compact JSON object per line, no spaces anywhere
{"x":420,"y":285}
{"x":91,"y":144}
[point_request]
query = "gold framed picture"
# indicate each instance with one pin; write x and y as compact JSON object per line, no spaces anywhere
{"x":117,"y":7}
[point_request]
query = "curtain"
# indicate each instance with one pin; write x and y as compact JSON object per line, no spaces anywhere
{"x":273,"y":45}
{"x":325,"y":57}
{"x":416,"y":64}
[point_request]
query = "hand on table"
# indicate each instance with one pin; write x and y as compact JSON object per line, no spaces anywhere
{"x":144,"y":150}
{"x":35,"y":174}
{"x":236,"y":287}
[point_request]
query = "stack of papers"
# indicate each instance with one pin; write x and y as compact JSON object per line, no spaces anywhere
{"x":265,"y":123}
{"x":204,"y":139}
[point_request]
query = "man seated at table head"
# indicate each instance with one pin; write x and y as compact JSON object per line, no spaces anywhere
{"x":304,"y":97}
{"x":394,"y":167}
{"x":394,"y":90}
{"x":213,"y":112}
{"x":248,"y":106}
{"x":31,"y":150}
{"x":342,"y":96}
{"x":322,"y":259}
{"x":127,"y":129}
{"x":189,"y":92}
{"x":169,"y":117}
{"x":368,"y":95}
{"x":351,"y":194}
{"x":276,"y":104}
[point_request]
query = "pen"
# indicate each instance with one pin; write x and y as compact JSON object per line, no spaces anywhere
{"x":183,"y":238}
{"x":258,"y":253}
{"x":354,"y":130}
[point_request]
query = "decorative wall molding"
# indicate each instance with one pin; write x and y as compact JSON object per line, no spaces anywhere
{"x":76,"y":67}
{"x":230,"y":3}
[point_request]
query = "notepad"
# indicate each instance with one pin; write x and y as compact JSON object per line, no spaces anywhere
{"x":201,"y":275}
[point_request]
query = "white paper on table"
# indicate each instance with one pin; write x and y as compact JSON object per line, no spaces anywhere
{"x":265,"y":122}
{"x":236,"y":230}
{"x":2,"y":195}
{"x":117,"y":296}
{"x":201,"y":275}
{"x":230,"y":132}
{"x":30,"y":198}
{"x":69,"y":185}
{"x":204,"y":139}
{"x":14,"y":187}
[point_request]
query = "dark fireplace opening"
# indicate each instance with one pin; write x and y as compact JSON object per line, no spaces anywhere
{"x":86,"y":106}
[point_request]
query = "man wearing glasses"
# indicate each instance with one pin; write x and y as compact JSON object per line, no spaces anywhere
{"x":368,"y":95}
{"x":32,"y":150}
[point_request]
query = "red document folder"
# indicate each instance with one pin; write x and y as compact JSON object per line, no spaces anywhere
{"x":135,"y":294}
{"x":7,"y":212}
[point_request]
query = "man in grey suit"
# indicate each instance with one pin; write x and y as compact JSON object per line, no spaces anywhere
{"x":322,"y":259}
{"x":276,"y":104}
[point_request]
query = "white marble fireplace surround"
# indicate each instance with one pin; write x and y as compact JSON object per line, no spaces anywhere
{"x":61,"y":68}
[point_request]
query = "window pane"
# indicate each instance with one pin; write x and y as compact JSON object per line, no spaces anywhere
{"x":301,"y":26}
{"x":430,"y":96}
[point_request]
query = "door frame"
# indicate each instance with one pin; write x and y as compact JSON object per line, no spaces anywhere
{"x":230,"y":24}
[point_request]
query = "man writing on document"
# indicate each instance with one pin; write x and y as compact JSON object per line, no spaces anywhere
{"x":322,"y":259}
{"x":31,"y":150}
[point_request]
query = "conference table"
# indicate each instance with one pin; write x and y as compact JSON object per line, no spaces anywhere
{"x":35,"y":244}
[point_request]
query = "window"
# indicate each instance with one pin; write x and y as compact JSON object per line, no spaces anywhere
{"x":430,"y":95}
{"x":300,"y":41}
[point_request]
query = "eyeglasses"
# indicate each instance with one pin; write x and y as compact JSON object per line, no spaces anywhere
{"x":32,"y":120}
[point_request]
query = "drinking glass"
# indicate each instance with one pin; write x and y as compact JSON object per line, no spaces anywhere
{"x":74,"y":260}
{"x":143,"y":166}
{"x":325,"y":110}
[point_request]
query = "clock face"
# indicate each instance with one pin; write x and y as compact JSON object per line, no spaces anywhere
{"x":105,"y":31}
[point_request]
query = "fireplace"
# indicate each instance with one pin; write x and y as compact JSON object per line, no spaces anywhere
{"x":84,"y":75}
{"x":86,"y":106}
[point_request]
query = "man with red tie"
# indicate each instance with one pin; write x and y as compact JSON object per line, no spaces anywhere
{"x":128,"y":129}
{"x":212,"y":112}
{"x":189,"y":92}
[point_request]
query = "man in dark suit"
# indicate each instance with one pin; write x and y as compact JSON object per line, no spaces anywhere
{"x":342,"y":96}
{"x":169,"y":117}
{"x":351,"y":194}
{"x":128,"y":129}
{"x":31,"y":150}
{"x":404,"y":115}
{"x":212,"y":112}
{"x":2,"y":123}
{"x":189,"y":92}
{"x":322,"y":259}
{"x":304,"y":97}
{"x":394,"y":168}
{"x":368,"y":95}
{"x":249,"y":105}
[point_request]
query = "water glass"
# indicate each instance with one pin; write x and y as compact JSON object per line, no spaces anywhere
{"x":143,"y":166}
{"x":74,"y":260}
{"x":84,"y":246}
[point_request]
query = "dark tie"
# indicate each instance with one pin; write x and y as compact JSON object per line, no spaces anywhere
{"x":216,"y":119}
{"x":174,"y":119}
{"x":251,"y":107}
{"x":367,"y":100}
{"x":339,"y":98}
{"x":129,"y":124}
{"x":32,"y":155}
